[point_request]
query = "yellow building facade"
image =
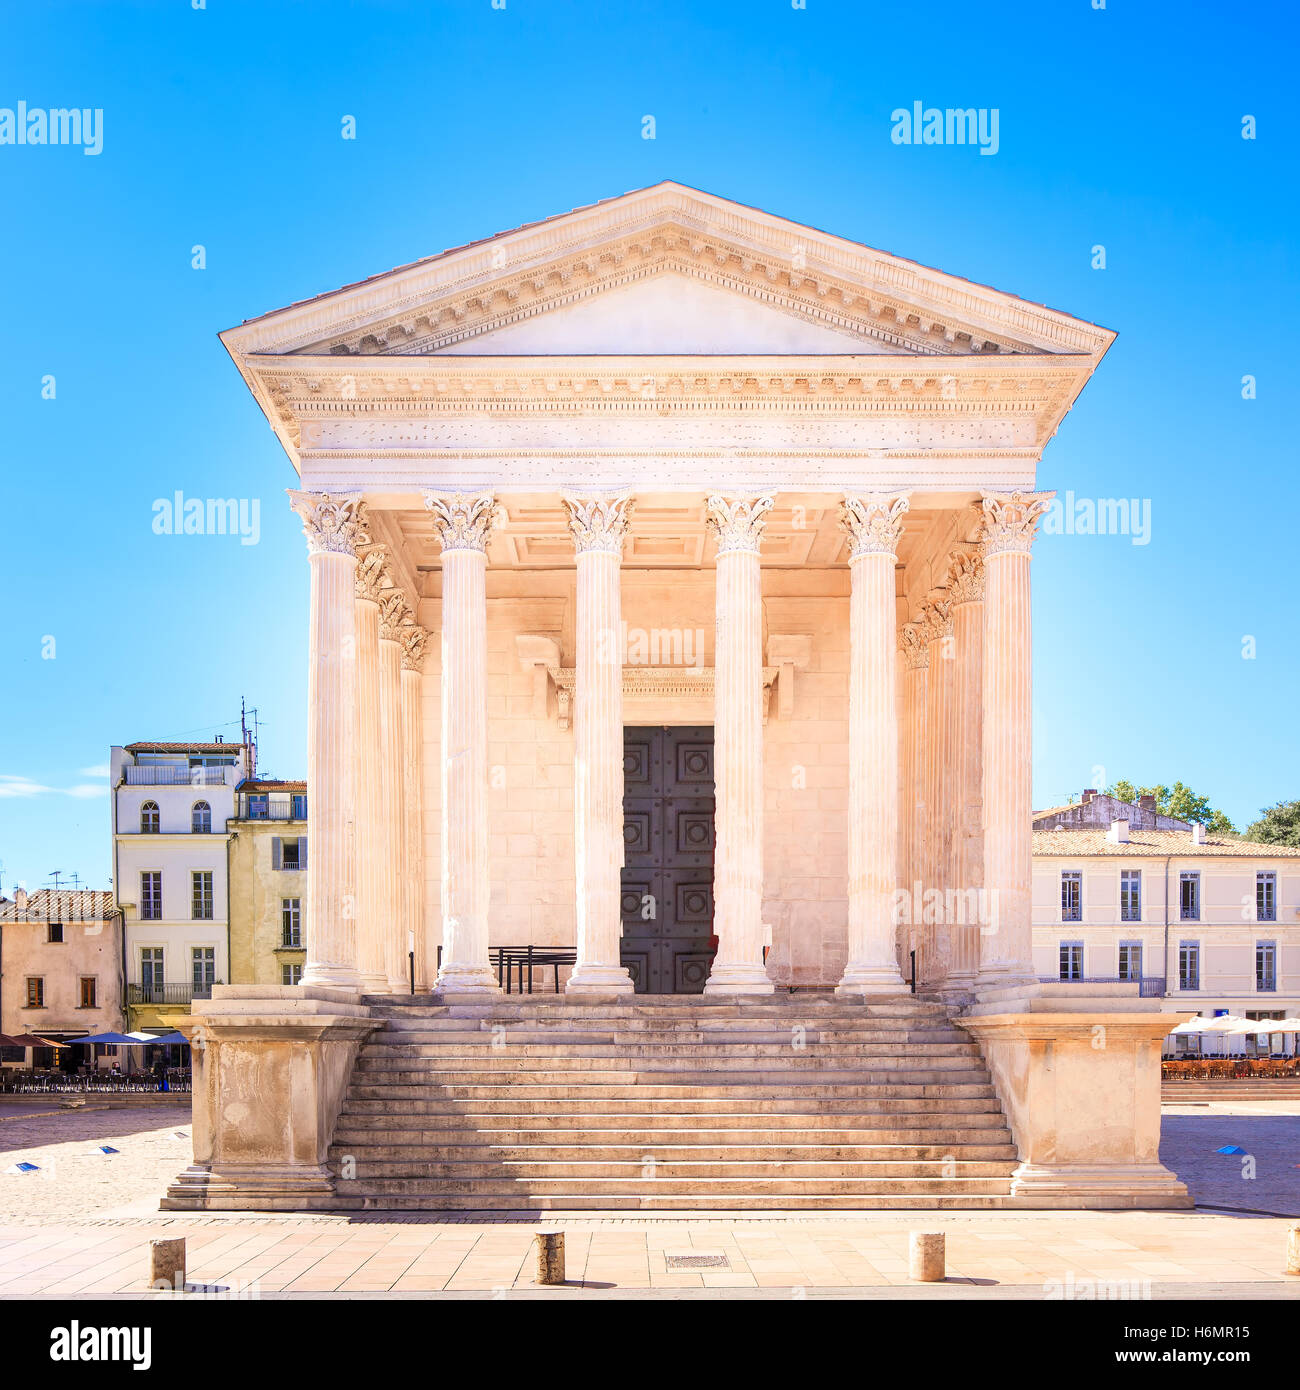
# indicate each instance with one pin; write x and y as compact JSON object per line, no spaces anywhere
{"x":268,"y":883}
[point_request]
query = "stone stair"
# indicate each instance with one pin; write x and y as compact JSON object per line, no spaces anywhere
{"x":669,"y":1103}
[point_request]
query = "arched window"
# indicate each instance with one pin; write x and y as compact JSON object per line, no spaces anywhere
{"x":149,"y":818}
{"x":201,"y":818}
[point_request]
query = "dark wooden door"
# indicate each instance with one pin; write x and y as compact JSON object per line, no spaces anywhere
{"x":668,"y":868}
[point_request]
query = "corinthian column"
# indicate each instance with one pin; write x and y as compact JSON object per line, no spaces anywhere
{"x":413,"y":641}
{"x":1006,"y":943}
{"x":916,"y":657}
{"x":738,"y":967}
{"x":369,"y":750}
{"x":332,"y":526}
{"x":874,"y":525}
{"x":598,"y":525}
{"x":393,"y":613}
{"x":464,"y":523}
{"x":966,"y":584}
{"x":939,"y":730}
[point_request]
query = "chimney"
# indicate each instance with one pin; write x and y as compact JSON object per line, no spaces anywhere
{"x":1088,"y":794}
{"x":20,"y":899}
{"x":1198,"y":833}
{"x":1147,"y":803}
{"x":1118,"y":832}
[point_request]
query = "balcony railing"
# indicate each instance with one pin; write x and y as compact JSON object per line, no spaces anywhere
{"x":250,"y":809}
{"x":166,"y":994}
{"x":168,"y":775}
{"x":1149,"y":986}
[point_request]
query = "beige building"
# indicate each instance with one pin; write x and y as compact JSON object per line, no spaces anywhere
{"x":670,"y":605}
{"x":60,"y":964}
{"x":1207,"y":922}
{"x":268,"y":882}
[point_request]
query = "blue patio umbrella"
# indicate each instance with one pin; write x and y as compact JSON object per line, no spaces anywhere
{"x":171,"y":1039}
{"x":116,"y":1039}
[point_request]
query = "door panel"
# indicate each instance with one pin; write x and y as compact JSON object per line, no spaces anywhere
{"x":668,"y":879}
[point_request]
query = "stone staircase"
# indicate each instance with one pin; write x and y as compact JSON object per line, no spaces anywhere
{"x":670,"y":1103}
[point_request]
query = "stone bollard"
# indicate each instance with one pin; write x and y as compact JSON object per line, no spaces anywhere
{"x":550,"y":1257}
{"x":925,"y":1253}
{"x":1293,"y":1249}
{"x":167,"y":1264}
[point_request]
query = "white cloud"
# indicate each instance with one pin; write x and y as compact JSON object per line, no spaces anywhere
{"x":12,"y":786}
{"x":99,"y":770}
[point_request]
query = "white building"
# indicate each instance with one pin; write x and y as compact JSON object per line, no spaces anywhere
{"x":171,"y":802}
{"x":1207,"y":922}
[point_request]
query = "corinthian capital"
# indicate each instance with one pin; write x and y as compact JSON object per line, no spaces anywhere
{"x":1010,"y":520}
{"x":332,"y":523}
{"x":372,"y":572}
{"x":874,"y":522}
{"x":464,"y":520}
{"x":966,"y":576}
{"x":738,"y":521}
{"x":413,"y":639}
{"x":935,"y":620}
{"x":599,"y":523}
{"x":913,"y":642}
{"x":393,"y":613}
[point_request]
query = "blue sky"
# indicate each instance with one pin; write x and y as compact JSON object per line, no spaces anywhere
{"x":1119,"y":127}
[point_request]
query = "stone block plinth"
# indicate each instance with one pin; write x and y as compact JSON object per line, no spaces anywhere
{"x":1081,"y":1091}
{"x":270,"y":1065}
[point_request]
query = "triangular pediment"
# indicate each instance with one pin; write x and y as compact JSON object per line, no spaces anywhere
{"x":666,"y":270}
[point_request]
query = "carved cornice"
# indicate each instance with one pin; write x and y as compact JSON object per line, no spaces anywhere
{"x":913,"y":642}
{"x":1011,"y":519}
{"x":874,"y":523}
{"x":966,"y":576}
{"x":330,"y":522}
{"x":599,"y":523}
{"x":414,"y":640}
{"x":464,"y":521}
{"x":738,"y":522}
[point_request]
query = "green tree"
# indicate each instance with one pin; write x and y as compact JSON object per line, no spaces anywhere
{"x":1179,"y":801}
{"x":1278,"y":825}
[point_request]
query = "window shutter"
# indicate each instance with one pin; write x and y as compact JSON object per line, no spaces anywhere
{"x":302,"y":851}
{"x":275,"y":852}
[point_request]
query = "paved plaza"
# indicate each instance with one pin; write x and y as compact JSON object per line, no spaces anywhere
{"x":78,"y":1226}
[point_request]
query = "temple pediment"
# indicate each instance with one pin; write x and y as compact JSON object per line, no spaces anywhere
{"x":665,"y":270}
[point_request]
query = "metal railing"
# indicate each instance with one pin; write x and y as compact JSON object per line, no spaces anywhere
{"x":168,"y":775}
{"x":1149,"y":986}
{"x":166,"y":994}
{"x":251,"y":810}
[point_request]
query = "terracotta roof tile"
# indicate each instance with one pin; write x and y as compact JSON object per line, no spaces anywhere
{"x":65,"y":905}
{"x":1077,"y":843}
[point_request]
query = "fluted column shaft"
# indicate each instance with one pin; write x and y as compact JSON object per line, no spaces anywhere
{"x":936,"y":931}
{"x":967,"y":584}
{"x":464,"y":524}
{"x":413,"y":641}
{"x":916,"y":656}
{"x":392,"y":794}
{"x":331,"y":526}
{"x":598,"y":525}
{"x":1006,"y":945}
{"x":738,"y":967}
{"x":874,"y":525}
{"x":369,"y":753}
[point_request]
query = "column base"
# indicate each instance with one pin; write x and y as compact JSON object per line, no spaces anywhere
{"x":738,"y":979}
{"x":467,"y":979}
{"x":374,"y":984}
{"x":871,"y":979}
{"x":599,"y":979}
{"x":1098,"y":1187}
{"x":332,"y":977}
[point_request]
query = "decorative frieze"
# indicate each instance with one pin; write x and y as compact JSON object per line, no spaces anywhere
{"x":464,"y":521}
{"x":1011,"y":519}
{"x":331,"y":522}
{"x":874,"y":522}
{"x":738,"y":522}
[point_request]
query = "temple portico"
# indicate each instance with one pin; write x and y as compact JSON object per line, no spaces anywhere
{"x":670,"y":618}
